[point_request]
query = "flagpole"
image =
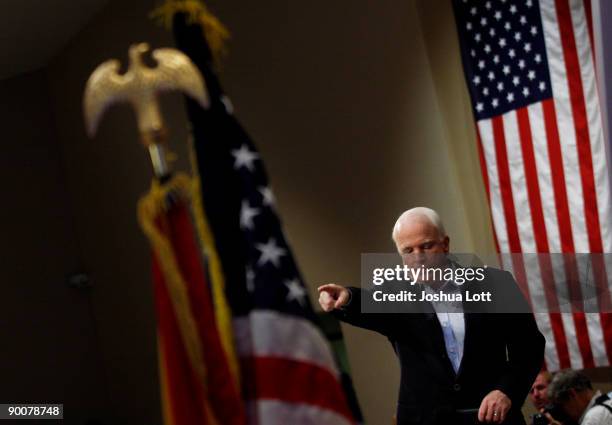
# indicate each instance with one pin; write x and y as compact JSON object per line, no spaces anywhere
{"x":195,"y":378}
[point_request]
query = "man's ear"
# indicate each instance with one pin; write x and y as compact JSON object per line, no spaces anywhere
{"x":446,"y":244}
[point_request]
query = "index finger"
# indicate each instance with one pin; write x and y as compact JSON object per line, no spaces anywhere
{"x":482,"y":411}
{"x":326,"y":286}
{"x":551,"y":420}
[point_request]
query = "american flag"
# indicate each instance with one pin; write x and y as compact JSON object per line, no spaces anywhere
{"x":529,"y":67}
{"x":288,"y":371}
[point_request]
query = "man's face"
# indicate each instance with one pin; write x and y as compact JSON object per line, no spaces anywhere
{"x":419,"y":243}
{"x":538,"y":395}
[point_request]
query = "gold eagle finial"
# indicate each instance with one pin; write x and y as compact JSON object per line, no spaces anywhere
{"x":139,"y":86}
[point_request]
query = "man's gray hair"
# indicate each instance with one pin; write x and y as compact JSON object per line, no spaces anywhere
{"x":427,"y":213}
{"x":564,"y":381}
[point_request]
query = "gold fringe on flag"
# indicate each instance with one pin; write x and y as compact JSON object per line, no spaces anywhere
{"x":149,"y":207}
{"x":214,"y":31}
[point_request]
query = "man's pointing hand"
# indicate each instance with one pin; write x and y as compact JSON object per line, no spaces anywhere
{"x":332,"y":296}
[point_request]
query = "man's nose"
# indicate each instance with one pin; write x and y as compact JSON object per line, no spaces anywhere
{"x":420,"y":256}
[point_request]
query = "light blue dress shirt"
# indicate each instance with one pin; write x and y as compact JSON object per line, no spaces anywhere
{"x":452,"y":320}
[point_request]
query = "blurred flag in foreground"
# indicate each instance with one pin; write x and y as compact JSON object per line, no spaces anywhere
{"x":288,"y":374}
{"x":196,"y":384}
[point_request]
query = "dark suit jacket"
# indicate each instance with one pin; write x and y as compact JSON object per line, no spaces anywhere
{"x":503,"y":351}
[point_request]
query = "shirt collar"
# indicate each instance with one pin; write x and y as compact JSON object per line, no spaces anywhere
{"x":591,"y":404}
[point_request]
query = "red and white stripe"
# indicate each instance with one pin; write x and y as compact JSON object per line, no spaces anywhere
{"x":546,"y":173}
{"x":289,"y":371}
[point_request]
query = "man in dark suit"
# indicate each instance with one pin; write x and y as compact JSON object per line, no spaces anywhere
{"x":458,"y":367}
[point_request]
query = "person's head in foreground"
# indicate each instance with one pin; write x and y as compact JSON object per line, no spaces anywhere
{"x":538,"y":393}
{"x":573,"y":393}
{"x":420,"y":237}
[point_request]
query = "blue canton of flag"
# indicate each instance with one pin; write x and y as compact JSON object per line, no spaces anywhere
{"x":272,"y":277}
{"x":503,"y":53}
